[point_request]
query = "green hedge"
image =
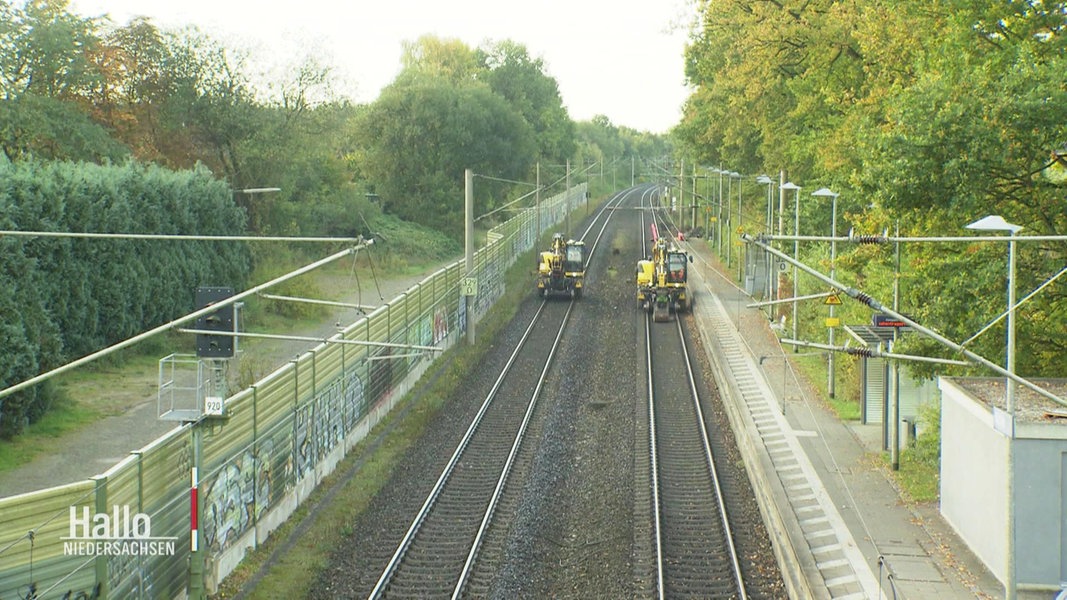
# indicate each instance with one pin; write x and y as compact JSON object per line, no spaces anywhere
{"x":63,"y":298}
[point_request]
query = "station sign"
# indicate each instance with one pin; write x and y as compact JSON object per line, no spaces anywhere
{"x":884,"y":320}
{"x":468,"y":286}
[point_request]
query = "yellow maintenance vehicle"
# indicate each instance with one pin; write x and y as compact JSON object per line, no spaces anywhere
{"x":562,"y":269}
{"x":661,"y":279}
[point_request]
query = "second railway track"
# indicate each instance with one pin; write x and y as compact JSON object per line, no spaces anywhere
{"x":694,"y":546}
{"x":437,"y":555}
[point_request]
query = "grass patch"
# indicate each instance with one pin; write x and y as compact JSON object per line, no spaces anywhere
{"x":846,"y":387}
{"x":113,"y":387}
{"x":64,"y":417}
{"x":920,"y":465}
{"x":917,"y":478}
{"x":306,"y":541}
{"x":83,"y":397}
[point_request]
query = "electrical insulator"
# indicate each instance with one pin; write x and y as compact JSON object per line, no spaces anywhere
{"x":869,"y":239}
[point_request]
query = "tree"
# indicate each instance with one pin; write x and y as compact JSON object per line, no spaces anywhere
{"x":522,"y":81}
{"x":213,"y":99}
{"x":423,"y":131}
{"x":136,"y":88}
{"x":46,"y":77}
{"x":930,"y":115}
{"x":446,"y":58}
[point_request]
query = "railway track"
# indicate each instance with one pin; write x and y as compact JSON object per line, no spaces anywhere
{"x":438,"y":553}
{"x":694,"y":550}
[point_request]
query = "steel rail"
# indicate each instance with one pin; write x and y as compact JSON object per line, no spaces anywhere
{"x":703,"y":429}
{"x":442,"y":480}
{"x":658,"y":505}
{"x":498,"y":491}
{"x":652,"y":442}
{"x":431,"y":500}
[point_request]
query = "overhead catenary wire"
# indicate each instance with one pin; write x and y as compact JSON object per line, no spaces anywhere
{"x":873,"y":303}
{"x":304,"y":338}
{"x":171,"y":237}
{"x":864,"y":239}
{"x":1012,"y":308}
{"x":370,"y":261}
{"x":504,"y":206}
{"x":173,"y":324}
{"x":360,"y":307}
{"x":526,"y":195}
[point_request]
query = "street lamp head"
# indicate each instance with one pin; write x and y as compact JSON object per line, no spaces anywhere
{"x":764,"y":179}
{"x":825,"y":193}
{"x":994,"y":223}
{"x":789,"y":185}
{"x":735,"y":174}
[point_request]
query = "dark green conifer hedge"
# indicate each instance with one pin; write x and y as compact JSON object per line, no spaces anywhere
{"x":63,"y":298}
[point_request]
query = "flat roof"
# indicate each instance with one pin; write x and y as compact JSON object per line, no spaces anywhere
{"x":1030,"y":406}
{"x":871,"y":335}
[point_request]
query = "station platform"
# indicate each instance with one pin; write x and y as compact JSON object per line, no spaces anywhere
{"x":823,"y":487}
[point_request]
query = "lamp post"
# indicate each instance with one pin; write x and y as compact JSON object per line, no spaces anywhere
{"x":718,"y":221}
{"x":695,"y":198}
{"x":707,"y":206}
{"x":729,"y":210}
{"x":789,"y":185}
{"x":826,"y":193}
{"x":740,"y":221}
{"x":764,"y":180}
{"x":997,"y":223}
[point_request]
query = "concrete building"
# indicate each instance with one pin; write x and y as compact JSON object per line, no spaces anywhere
{"x":975,"y":433}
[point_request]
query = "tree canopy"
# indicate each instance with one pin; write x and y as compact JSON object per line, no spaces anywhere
{"x":927,"y":115}
{"x":125,"y":128}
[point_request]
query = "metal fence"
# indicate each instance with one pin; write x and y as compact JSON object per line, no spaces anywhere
{"x":129,"y":532}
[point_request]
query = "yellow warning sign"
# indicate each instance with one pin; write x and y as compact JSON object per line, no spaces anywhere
{"x":833,"y":299}
{"x":833,"y":322}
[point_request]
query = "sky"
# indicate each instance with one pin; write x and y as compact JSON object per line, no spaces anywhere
{"x":621,"y":60}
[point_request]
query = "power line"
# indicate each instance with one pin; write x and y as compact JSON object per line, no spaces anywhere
{"x":162,"y":236}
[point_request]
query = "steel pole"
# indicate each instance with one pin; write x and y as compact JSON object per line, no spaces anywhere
{"x":468,"y":245}
{"x":833,"y":256}
{"x":740,"y":220}
{"x":729,"y":209}
{"x":537,"y":202}
{"x":1010,"y":582}
{"x":718,"y":222}
{"x":796,"y":258}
